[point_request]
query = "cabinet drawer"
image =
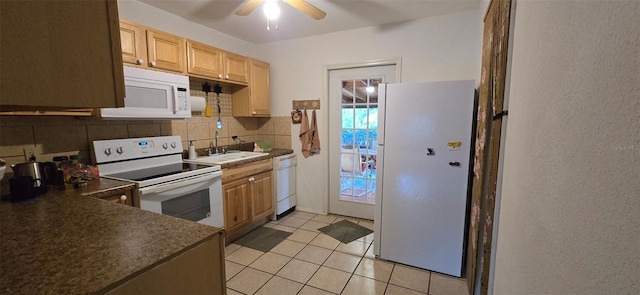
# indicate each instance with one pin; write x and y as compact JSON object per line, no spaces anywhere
{"x":244,"y":171}
{"x":120,"y":199}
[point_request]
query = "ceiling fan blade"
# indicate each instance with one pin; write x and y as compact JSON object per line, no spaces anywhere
{"x":248,"y":7}
{"x":307,"y":8}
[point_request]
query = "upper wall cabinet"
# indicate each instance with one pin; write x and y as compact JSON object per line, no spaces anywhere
{"x":204,"y":60}
{"x":60,"y":54}
{"x":254,"y":100}
{"x":235,"y":67}
{"x":147,"y":48}
{"x":134,"y":45}
{"x":213,"y":63}
{"x":165,"y":51}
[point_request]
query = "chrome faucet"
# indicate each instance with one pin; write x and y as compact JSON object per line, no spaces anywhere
{"x":217,"y":138}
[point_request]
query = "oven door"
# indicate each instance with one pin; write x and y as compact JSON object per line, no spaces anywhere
{"x":197,"y":198}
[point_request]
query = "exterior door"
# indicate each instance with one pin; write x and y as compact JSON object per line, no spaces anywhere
{"x":353,"y":129}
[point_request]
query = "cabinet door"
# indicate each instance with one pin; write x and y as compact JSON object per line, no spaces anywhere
{"x":262,"y":194}
{"x":133,"y":41}
{"x":253,"y":100}
{"x":165,"y":51}
{"x":204,"y":60}
{"x":60,"y":54}
{"x":235,"y":67}
{"x":237,"y":209}
{"x":259,"y":88}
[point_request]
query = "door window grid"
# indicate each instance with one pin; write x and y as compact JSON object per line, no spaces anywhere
{"x":359,"y":140}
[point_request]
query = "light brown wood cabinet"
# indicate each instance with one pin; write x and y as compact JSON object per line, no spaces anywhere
{"x":212,"y":63}
{"x":204,"y":60}
{"x":254,"y":100}
{"x":60,"y":54}
{"x":235,"y":67}
{"x":248,"y":197}
{"x":237,"y":208}
{"x":165,"y":51}
{"x":262,"y":202}
{"x":250,"y":77}
{"x":134,"y":43}
{"x":149,"y":48}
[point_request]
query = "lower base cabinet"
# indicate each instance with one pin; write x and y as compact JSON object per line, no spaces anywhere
{"x":248,"y":197}
{"x":199,"y":270}
{"x":237,"y":206}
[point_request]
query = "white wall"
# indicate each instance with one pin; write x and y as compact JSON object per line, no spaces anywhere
{"x":569,"y":220}
{"x":432,"y":49}
{"x":152,"y":17}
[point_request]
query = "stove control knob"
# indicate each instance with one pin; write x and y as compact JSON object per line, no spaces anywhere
{"x":173,"y":145}
{"x":107,"y":151}
{"x":165,"y":145}
{"x":120,"y":150}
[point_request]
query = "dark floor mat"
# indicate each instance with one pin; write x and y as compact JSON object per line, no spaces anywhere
{"x":345,"y":231}
{"x":262,"y":238}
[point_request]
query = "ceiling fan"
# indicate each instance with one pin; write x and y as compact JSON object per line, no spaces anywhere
{"x":301,"y":5}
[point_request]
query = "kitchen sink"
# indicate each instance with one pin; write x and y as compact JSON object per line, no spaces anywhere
{"x":228,"y":158}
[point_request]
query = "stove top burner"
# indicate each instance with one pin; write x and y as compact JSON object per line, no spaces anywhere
{"x":156,"y":172}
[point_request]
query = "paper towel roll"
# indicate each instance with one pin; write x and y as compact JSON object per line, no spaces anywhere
{"x":198,"y":104}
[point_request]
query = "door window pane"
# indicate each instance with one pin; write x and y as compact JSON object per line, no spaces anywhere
{"x":347,"y":117}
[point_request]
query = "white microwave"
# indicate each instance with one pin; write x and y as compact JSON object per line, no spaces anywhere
{"x":152,"y":95}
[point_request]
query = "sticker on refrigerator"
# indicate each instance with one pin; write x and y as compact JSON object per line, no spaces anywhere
{"x":454,"y":145}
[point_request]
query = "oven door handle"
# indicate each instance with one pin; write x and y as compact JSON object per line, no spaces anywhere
{"x":179,"y":183}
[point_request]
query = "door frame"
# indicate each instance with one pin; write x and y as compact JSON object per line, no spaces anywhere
{"x":397,"y":62}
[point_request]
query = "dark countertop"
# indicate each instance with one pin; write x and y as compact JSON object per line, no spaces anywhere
{"x":273,"y":153}
{"x":280,"y":152}
{"x":65,"y":243}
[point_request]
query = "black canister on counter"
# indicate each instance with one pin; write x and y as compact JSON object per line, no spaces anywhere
{"x":62,"y":168}
{"x":21,"y":188}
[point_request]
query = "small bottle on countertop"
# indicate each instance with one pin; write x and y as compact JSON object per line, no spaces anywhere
{"x":192,"y":151}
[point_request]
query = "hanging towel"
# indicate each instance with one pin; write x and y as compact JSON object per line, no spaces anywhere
{"x":314,"y":136}
{"x":305,"y":135}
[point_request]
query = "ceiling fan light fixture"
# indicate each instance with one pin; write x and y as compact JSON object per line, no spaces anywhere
{"x":271,"y":9}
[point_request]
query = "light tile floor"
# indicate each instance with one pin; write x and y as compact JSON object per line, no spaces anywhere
{"x":310,"y":262}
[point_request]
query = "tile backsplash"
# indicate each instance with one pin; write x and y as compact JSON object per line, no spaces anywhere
{"x":47,"y":136}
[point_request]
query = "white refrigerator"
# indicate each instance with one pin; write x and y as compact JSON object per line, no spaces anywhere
{"x":424,"y":151}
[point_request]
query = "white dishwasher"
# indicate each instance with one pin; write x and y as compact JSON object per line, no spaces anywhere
{"x":284,"y":180}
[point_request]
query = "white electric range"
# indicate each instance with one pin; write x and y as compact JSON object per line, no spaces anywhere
{"x":166,"y":184}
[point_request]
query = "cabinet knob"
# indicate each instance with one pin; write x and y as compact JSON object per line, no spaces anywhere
{"x":254,"y":112}
{"x":123,"y":198}
{"x":219,"y":76}
{"x":140,"y":61}
{"x":226,"y":77}
{"x":252,"y":179}
{"x":153,"y":63}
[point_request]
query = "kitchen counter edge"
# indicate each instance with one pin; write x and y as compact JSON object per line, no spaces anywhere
{"x":68,"y":242}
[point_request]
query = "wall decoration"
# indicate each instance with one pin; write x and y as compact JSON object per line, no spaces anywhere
{"x":296,"y":117}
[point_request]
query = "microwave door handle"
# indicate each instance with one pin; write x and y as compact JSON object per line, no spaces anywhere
{"x":178,"y":184}
{"x":175,"y":99}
